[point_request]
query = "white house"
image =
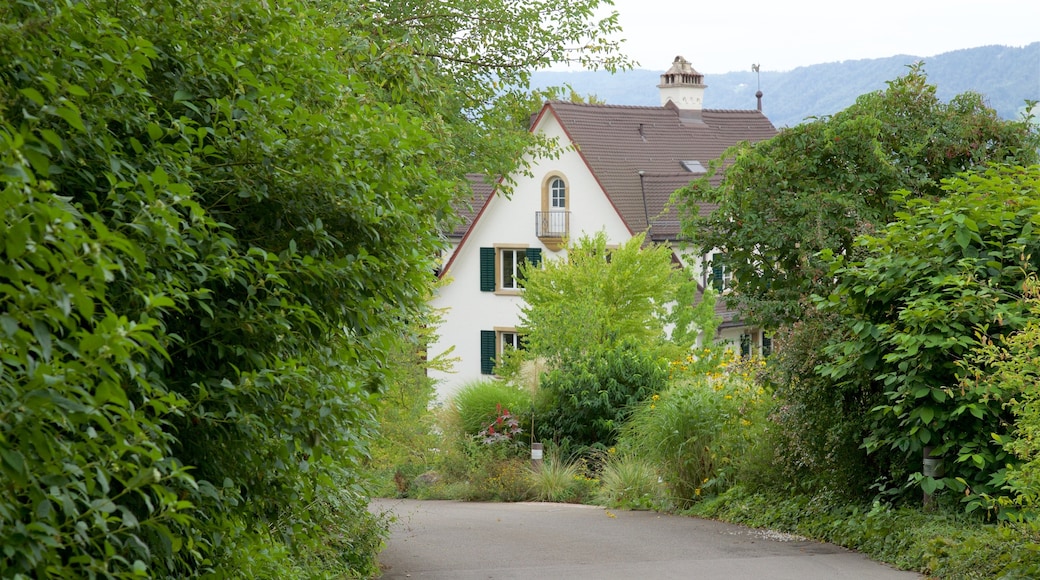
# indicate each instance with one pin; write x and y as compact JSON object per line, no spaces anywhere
{"x":618,"y":167}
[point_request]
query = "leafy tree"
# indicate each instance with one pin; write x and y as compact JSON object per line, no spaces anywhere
{"x":599,"y":318}
{"x":818,"y":185}
{"x":945,"y":277}
{"x":219,"y":220}
{"x":597,"y":296}
{"x":467,"y":65}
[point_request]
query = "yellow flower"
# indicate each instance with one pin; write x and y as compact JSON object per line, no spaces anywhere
{"x":655,"y":397}
{"x":652,"y":406}
{"x":697,"y":492}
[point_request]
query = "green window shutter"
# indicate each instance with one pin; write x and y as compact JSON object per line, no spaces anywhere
{"x":487,"y":269}
{"x":487,"y":352}
{"x":718,"y":273}
{"x":534,"y":256}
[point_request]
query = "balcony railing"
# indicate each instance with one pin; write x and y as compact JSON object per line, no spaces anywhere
{"x":552,"y":227}
{"x":552,"y":224}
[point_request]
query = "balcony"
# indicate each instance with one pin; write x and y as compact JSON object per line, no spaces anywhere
{"x":552,"y":228}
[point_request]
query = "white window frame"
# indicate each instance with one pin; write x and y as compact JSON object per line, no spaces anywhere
{"x":508,"y":337}
{"x":509,"y":283}
{"x":557,"y":193}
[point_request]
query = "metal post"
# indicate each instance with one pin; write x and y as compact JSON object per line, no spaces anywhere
{"x":931,"y":466}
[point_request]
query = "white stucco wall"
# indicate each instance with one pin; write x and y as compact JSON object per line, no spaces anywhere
{"x":511,"y":222}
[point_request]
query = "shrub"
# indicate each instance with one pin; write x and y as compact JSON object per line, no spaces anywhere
{"x":480,"y":403}
{"x":196,"y":298}
{"x":583,"y":403}
{"x":1013,"y":366}
{"x":407,"y":438}
{"x":817,"y":427}
{"x":475,"y":467}
{"x":941,"y":544}
{"x":495,"y":472}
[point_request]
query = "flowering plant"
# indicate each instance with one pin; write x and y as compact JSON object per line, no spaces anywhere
{"x":505,"y":427}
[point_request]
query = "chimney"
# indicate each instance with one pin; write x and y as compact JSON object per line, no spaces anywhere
{"x":682,"y":86}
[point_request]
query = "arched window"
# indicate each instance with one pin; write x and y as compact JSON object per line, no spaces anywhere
{"x":557,"y":194}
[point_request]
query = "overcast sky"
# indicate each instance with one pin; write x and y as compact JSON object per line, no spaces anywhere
{"x":724,"y":36}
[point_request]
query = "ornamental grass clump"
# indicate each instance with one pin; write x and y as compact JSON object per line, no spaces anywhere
{"x":696,"y":431}
{"x":555,"y":480}
{"x":629,"y":482}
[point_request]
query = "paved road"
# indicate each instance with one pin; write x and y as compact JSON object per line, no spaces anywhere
{"x":470,"y":541}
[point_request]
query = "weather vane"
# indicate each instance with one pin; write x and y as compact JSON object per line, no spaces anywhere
{"x":755,"y":68}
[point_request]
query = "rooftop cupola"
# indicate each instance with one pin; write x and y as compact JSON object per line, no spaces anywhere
{"x":683,"y":86}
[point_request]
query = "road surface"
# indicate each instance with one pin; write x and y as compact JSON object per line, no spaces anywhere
{"x":470,"y":541}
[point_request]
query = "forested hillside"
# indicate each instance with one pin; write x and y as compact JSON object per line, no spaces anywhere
{"x":1006,"y":76}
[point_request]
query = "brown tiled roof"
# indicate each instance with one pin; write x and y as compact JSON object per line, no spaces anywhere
{"x":468,"y":208}
{"x":618,"y":142}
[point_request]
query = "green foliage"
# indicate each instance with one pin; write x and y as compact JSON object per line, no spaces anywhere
{"x":407,"y":440}
{"x":935,"y":284}
{"x":1013,"y":366}
{"x":818,"y":185}
{"x":473,"y":468}
{"x":938,"y":544}
{"x":696,"y":432}
{"x":204,"y":278}
{"x":596,"y":297}
{"x":598,"y":318}
{"x":85,"y":456}
{"x":815,"y":441}
{"x":583,"y":403}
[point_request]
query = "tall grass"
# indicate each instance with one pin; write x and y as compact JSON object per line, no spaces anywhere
{"x":555,"y":480}
{"x":478,"y":403}
{"x":696,"y":432}
{"x":629,"y":482}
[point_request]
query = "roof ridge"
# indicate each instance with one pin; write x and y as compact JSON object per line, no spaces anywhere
{"x":603,"y":105}
{"x":733,"y":111}
{"x":643,"y":107}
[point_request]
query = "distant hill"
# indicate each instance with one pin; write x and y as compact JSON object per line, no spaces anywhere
{"x":1005,"y":76}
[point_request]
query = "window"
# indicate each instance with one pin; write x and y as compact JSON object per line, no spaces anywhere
{"x":557,"y":194}
{"x":500,"y":268}
{"x":510,"y":339}
{"x":511,"y":262}
{"x":745,"y":345}
{"x":493,"y":343}
{"x":715,"y":274}
{"x":767,"y":345}
{"x":554,"y":193}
